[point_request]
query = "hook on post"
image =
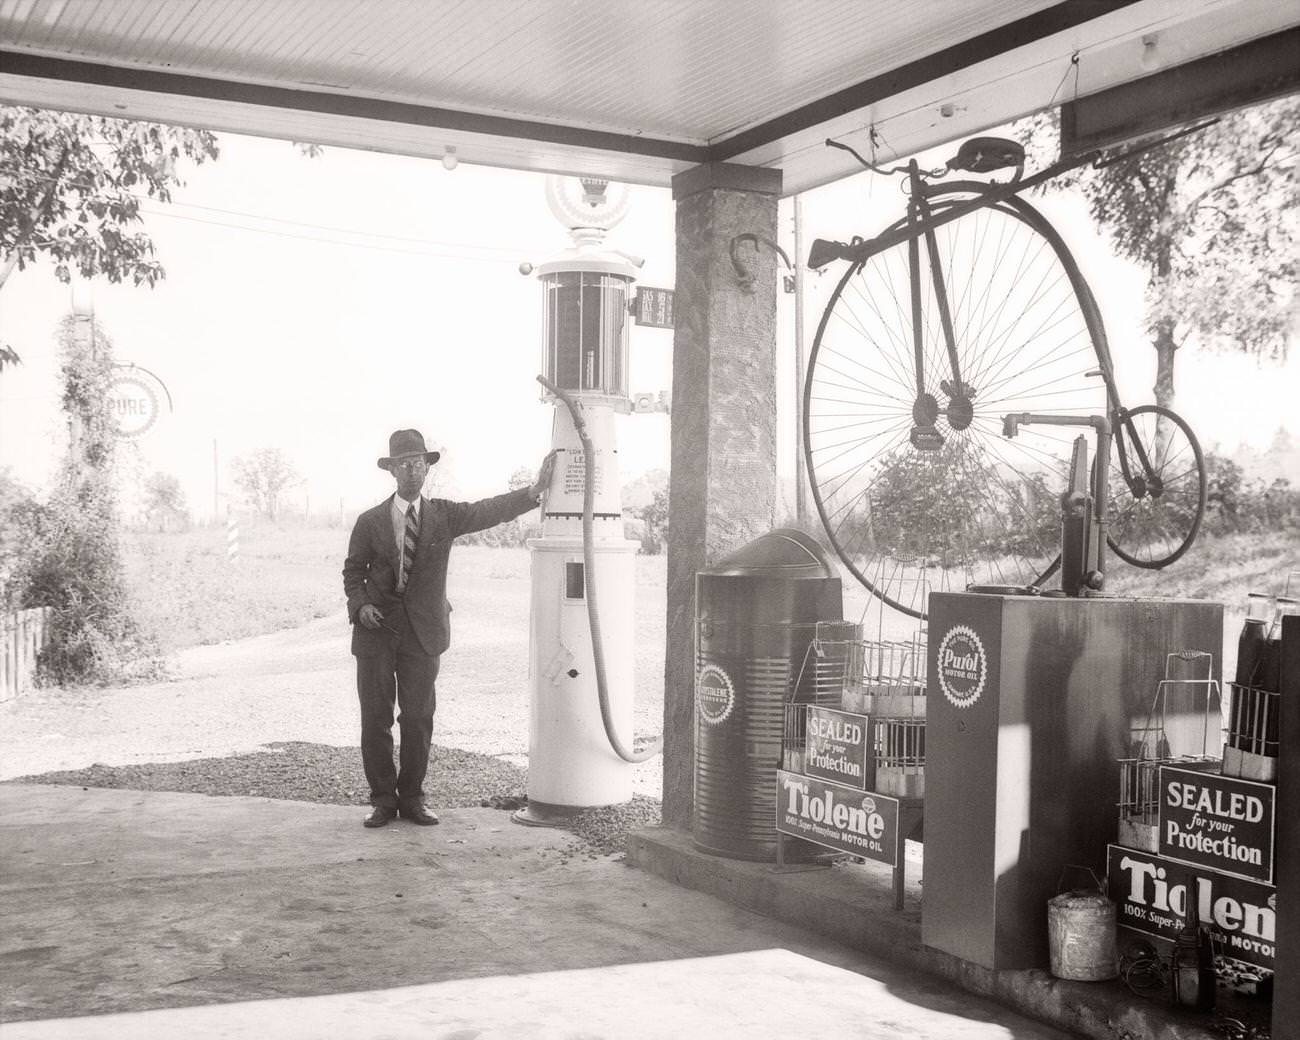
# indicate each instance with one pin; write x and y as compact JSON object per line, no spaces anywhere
{"x":743,"y":273}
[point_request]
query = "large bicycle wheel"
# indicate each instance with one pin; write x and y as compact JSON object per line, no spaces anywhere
{"x":1156,"y":488}
{"x":915,"y":483}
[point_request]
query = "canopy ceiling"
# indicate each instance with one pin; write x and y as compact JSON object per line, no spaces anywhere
{"x":633,"y":90}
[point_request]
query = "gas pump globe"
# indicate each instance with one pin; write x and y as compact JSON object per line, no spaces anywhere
{"x":573,"y":762}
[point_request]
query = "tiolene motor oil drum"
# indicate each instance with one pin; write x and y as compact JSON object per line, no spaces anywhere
{"x":757,"y":613}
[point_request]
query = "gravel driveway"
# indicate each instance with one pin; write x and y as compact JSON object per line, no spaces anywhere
{"x":293,"y":686}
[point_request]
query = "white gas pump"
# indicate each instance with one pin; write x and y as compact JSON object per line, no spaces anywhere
{"x":583,"y":577}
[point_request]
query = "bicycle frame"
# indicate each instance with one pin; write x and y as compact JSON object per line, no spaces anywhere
{"x":919,"y":207}
{"x":1151,"y":482}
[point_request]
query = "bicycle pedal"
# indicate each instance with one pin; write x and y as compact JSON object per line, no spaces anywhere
{"x":926,"y":438}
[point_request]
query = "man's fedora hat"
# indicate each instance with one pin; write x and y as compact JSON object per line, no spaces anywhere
{"x":406,"y":444}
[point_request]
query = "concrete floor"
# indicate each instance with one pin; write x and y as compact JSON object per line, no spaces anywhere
{"x":182,"y":915}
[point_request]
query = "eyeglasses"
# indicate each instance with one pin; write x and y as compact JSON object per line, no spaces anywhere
{"x":409,"y":464}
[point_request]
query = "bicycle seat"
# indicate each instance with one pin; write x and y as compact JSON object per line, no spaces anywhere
{"x":986,"y":154}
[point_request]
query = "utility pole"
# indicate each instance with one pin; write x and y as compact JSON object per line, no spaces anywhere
{"x":800,"y":480}
{"x":216,"y":483}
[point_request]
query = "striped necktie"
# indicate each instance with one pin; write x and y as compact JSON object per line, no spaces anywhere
{"x":409,"y":540}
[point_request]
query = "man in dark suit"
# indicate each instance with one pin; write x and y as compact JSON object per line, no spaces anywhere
{"x":395,"y":578}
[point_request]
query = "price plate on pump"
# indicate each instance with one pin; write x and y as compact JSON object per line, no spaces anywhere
{"x":653,"y":307}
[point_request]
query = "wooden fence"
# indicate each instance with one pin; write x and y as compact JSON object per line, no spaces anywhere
{"x":22,"y":635}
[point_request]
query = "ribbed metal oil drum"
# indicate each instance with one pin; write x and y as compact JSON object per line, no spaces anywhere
{"x":756,"y":614}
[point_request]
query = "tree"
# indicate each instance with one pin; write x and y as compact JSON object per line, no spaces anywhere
{"x":923,"y":505}
{"x":263,"y":477}
{"x":655,"y":516}
{"x":1211,"y":217}
{"x":71,"y":187}
{"x":164,"y":502}
{"x":72,"y":561}
{"x":70,"y":192}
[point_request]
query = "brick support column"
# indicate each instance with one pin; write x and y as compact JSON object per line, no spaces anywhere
{"x":723,"y":489}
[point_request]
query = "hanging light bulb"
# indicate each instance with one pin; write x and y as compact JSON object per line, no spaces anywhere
{"x":450,"y":160}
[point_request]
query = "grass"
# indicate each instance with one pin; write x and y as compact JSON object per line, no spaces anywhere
{"x":189,"y":593}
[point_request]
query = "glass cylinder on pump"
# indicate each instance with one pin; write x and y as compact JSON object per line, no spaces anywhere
{"x":585,"y":314}
{"x":585,"y":311}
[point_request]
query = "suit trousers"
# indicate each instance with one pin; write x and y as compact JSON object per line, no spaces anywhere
{"x":402,"y":674}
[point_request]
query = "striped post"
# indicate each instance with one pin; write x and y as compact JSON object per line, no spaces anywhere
{"x":232,"y":537}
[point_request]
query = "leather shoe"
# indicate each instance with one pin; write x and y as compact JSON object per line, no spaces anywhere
{"x":420,"y":814}
{"x":379,"y":816}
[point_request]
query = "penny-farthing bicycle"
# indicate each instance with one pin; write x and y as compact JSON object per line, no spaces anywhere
{"x":967,"y":309}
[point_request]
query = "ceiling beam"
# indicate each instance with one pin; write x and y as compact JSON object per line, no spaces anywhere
{"x":1246,"y":75}
{"x":21,"y":63}
{"x":1058,"y":18}
{"x":1048,"y":22}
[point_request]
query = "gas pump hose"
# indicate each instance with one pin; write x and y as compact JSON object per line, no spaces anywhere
{"x":589,"y":581}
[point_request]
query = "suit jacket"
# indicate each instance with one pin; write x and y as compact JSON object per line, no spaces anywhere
{"x":370,"y":570}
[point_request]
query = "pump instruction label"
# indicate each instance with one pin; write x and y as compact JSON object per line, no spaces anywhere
{"x":575,"y":472}
{"x":841,"y":818}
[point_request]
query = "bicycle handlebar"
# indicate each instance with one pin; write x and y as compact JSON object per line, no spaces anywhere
{"x":859,"y":250}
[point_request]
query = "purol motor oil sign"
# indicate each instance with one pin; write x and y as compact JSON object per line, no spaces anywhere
{"x":962,"y":666}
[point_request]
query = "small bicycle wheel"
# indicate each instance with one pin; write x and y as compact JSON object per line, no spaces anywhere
{"x":1156,"y":487}
{"x":915,"y":484}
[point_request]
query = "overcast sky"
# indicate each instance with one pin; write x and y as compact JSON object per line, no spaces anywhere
{"x":316,"y":304}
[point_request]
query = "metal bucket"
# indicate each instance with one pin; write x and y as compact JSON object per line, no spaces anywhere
{"x":757,"y":612}
{"x":1081,"y":937}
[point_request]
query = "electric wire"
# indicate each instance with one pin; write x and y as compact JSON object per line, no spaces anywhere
{"x":454,"y":247}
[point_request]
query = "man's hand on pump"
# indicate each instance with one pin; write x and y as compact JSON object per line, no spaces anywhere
{"x":544,"y":473}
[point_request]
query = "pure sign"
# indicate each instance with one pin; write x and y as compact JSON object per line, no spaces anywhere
{"x":1220,"y":822}
{"x":1151,"y":893}
{"x":132,"y":405}
{"x":836,"y":746}
{"x":838,"y":817}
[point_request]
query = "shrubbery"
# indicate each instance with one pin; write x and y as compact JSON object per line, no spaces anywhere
{"x":1237,"y":504}
{"x":65,"y":554}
